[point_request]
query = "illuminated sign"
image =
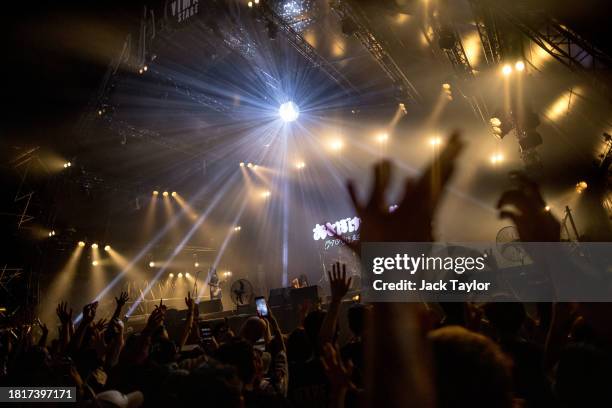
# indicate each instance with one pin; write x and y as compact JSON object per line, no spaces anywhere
{"x":343,"y":227}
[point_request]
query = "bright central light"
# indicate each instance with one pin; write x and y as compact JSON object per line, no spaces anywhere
{"x":289,"y":111}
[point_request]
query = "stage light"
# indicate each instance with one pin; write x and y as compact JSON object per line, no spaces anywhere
{"x":402,"y":107}
{"x":171,"y":275}
{"x":94,"y":246}
{"x":237,"y":228}
{"x":95,"y":263}
{"x":227,"y":274}
{"x":196,"y":264}
{"x":446,"y":87}
{"x":180,"y":275}
{"x":145,"y":68}
{"x":140,"y":71}
{"x":336,"y":144}
{"x":187,"y":275}
{"x":174,"y":194}
{"x":165,"y":194}
{"x":289,"y":111}
{"x":520,"y":65}
{"x":250,"y":165}
{"x":265,"y":194}
{"x":581,"y":186}
{"x":255,"y":167}
{"x":393,"y":207}
{"x":300,"y":165}
{"x":497,"y":158}
{"x":435,"y":141}
{"x":107,"y":248}
{"x":495,"y":122}
{"x":151,"y":264}
{"x":155,"y":192}
{"x":250,"y":4}
{"x":256,"y":1}
{"x":81,"y":244}
{"x":382,"y":137}
{"x":241,"y":164}
{"x":507,"y":69}
{"x":547,"y":208}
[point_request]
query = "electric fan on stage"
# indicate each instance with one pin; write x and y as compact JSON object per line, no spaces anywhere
{"x":241,"y":292}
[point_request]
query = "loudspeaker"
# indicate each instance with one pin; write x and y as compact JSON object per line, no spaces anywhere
{"x":279,"y":297}
{"x":211,"y":306}
{"x":299,"y":295}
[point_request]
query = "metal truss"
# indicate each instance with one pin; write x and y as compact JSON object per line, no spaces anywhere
{"x":487,"y":30}
{"x":306,"y":50}
{"x":376,"y":47}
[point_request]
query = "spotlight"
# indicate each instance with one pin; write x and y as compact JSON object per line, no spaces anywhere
{"x":581,"y":186}
{"x":140,"y":71}
{"x":520,"y":66}
{"x":173,"y":194}
{"x":300,"y":165}
{"x":227,"y":274}
{"x":435,"y":141}
{"x":256,"y":1}
{"x":403,"y":108}
{"x":81,"y":244}
{"x":165,"y":194}
{"x":265,"y":194}
{"x":237,"y":228}
{"x":155,"y":192}
{"x":255,"y":167}
{"x":250,"y":4}
{"x":446,"y":87}
{"x":393,"y":207}
{"x":94,"y":246}
{"x":196,"y":264}
{"x":171,"y":275}
{"x":180,"y":275}
{"x":187,"y":275}
{"x":547,"y":208}
{"x":495,"y":122}
{"x":145,"y":68}
{"x":250,"y":165}
{"x":497,"y":158}
{"x":241,"y":164}
{"x":289,"y":111}
{"x":107,"y":248}
{"x":95,"y":263}
{"x":507,"y":69}
{"x":382,"y":137}
{"x":151,"y":264}
{"x":336,"y":144}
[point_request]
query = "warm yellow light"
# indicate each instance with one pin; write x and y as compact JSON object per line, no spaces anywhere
{"x":497,"y":158}
{"x":145,"y":68}
{"x":81,"y":244}
{"x":382,"y":137}
{"x":581,"y":186}
{"x":94,"y":246}
{"x":241,"y":164}
{"x":107,"y":248}
{"x":435,"y":141}
{"x":446,"y":87}
{"x":300,"y":165}
{"x":255,"y":167}
{"x":495,"y":122}
{"x":336,"y":144}
{"x":174,"y":194}
{"x":165,"y":194}
{"x":547,"y":208}
{"x":237,"y":228}
{"x":171,"y":275}
{"x":140,"y":71}
{"x":256,"y":1}
{"x":180,"y":275}
{"x":265,"y":194}
{"x":155,"y":192}
{"x":187,"y":275}
{"x":196,"y":264}
{"x":250,"y":165}
{"x":250,"y":4}
{"x":507,"y":69}
{"x":227,"y":274}
{"x":95,"y":263}
{"x":520,"y":66}
{"x":152,"y":264}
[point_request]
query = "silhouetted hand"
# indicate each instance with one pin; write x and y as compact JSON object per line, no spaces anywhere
{"x":122,"y":299}
{"x":89,"y":312}
{"x":63,"y":313}
{"x":338,"y":283}
{"x":189,"y":303}
{"x":533,"y":222}
{"x":411,"y":221}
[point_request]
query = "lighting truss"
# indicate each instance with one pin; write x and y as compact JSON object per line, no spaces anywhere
{"x":488,"y":32}
{"x":306,"y":50}
{"x":376,"y":47}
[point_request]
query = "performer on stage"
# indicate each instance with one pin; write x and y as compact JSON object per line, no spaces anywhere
{"x":213,"y":285}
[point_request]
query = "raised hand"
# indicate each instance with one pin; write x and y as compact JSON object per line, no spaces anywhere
{"x":122,"y":299}
{"x":100,"y":325}
{"x":63,"y":314}
{"x":528,"y":212}
{"x":412,"y":220}
{"x":89,"y":312}
{"x":338,"y":282}
{"x":189,"y":302}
